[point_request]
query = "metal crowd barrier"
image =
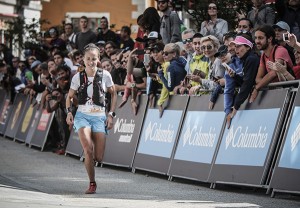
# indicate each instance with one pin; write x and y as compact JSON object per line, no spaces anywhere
{"x":260,"y":149}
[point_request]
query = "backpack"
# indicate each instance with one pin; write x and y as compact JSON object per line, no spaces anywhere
{"x":98,"y":97}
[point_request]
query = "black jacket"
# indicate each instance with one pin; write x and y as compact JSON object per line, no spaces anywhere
{"x":250,"y":67}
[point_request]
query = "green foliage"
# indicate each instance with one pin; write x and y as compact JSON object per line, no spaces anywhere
{"x":19,"y":32}
{"x":226,"y":10}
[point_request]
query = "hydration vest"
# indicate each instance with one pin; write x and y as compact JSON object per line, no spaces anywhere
{"x":98,"y":97}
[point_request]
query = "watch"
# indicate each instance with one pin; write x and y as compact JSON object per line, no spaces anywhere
{"x":69,"y":109}
{"x":133,"y":85}
{"x":112,"y":114}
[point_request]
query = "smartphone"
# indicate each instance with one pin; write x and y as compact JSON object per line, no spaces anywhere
{"x":139,"y":52}
{"x":226,"y":66}
{"x":285,"y":36}
{"x":146,"y":59}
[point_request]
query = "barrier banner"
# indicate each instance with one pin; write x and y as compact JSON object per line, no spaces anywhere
{"x":74,"y":146}
{"x":33,"y":123}
{"x":198,"y":139}
{"x":17,"y":112}
{"x":5,"y":114}
{"x":26,"y":122}
{"x":40,"y":134}
{"x":122,"y":140}
{"x":2,"y":98}
{"x":287,"y":170}
{"x":159,"y":136}
{"x":245,"y":149}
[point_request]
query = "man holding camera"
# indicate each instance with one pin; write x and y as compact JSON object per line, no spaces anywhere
{"x":281,"y":34}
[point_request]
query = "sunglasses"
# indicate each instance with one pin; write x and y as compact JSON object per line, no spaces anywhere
{"x":188,"y":40}
{"x":166,"y":53}
{"x":243,"y":26}
{"x":213,"y":8}
{"x":208,"y":47}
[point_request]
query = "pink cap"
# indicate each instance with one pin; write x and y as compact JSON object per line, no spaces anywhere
{"x":240,"y":40}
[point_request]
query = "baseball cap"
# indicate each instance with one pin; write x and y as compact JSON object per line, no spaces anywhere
{"x":283,"y":25}
{"x":100,"y":42}
{"x":222,"y":50}
{"x":240,"y":40}
{"x":153,"y":35}
{"x":35,"y":64}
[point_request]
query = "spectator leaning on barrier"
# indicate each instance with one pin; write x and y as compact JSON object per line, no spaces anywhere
{"x":170,"y":23}
{"x":136,"y":80}
{"x":275,"y":62}
{"x":244,"y":80}
{"x":198,"y":66}
{"x":214,"y":81}
{"x":175,"y":72}
{"x":214,"y":26}
{"x":91,"y":121}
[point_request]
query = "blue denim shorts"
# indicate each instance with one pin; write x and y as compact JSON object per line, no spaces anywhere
{"x":95,"y":123}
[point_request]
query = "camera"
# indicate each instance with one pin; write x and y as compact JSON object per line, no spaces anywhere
{"x":53,"y":97}
{"x":285,"y":36}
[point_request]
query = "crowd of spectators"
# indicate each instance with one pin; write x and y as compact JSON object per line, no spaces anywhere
{"x":163,"y":60}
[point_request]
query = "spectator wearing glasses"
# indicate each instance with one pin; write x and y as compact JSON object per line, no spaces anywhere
{"x":214,"y":26}
{"x":170,"y":23}
{"x":214,"y":80}
{"x":175,"y":72}
{"x":187,"y":39}
{"x":55,"y":40}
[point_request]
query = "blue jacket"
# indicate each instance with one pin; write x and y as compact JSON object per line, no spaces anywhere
{"x":175,"y":73}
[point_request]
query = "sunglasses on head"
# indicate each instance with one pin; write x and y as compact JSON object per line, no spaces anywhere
{"x":188,"y":40}
{"x":208,"y":47}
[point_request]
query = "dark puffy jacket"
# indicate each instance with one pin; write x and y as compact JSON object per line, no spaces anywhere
{"x":176,"y":73}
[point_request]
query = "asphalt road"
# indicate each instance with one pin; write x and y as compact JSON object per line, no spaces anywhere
{"x":31,"y":178}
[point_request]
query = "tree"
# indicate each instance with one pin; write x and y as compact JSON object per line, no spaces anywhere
{"x":19,"y":33}
{"x":226,"y":10}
